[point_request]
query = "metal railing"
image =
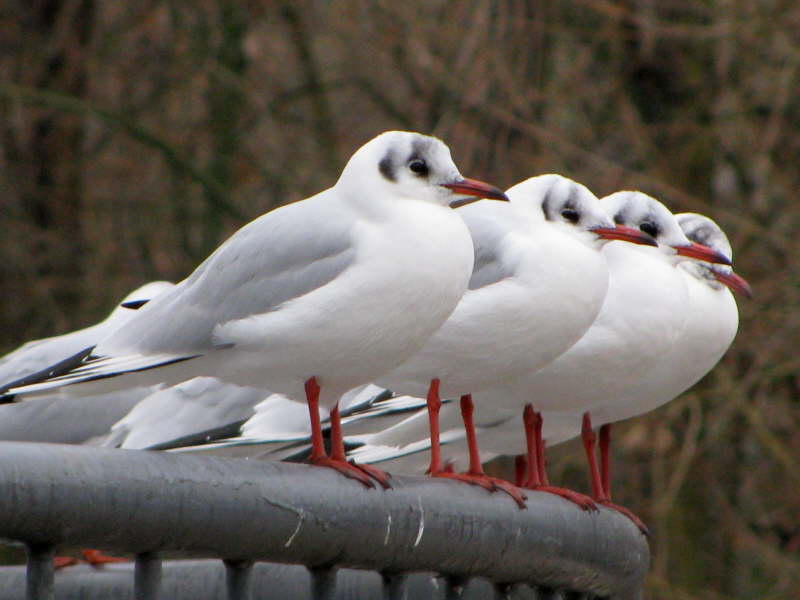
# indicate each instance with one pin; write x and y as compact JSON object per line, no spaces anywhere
{"x":152,"y":504}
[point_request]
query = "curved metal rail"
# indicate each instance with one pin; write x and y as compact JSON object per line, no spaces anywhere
{"x":147,"y":503}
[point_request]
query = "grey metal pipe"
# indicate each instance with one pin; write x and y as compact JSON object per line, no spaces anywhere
{"x":134,"y":502}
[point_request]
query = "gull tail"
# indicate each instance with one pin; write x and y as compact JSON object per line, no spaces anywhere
{"x":84,"y":367}
{"x":58,"y":369}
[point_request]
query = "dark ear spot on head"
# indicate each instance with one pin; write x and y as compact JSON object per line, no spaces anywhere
{"x":419,"y":149}
{"x":619,"y":218}
{"x":702,"y":235}
{"x":548,"y":207}
{"x":386,"y":169}
{"x":573,"y":199}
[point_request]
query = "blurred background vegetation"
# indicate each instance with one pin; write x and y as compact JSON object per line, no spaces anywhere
{"x":136,"y":136}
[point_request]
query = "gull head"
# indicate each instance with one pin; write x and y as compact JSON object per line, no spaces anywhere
{"x":703,"y":230}
{"x":400,"y":165}
{"x":573,"y":208}
{"x":643,"y":212}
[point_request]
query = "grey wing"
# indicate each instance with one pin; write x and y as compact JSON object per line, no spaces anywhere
{"x":75,"y":421}
{"x":262,"y":266}
{"x":182,"y":411}
{"x":38,"y":354}
{"x":280,"y":256}
{"x":488,"y":229}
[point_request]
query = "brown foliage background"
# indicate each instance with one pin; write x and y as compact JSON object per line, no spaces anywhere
{"x":136,"y":136}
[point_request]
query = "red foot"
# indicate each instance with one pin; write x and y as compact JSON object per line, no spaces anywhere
{"x":59,"y":562}
{"x":378,"y":475}
{"x":345,"y":468}
{"x":583,"y":501}
{"x":97,"y":558}
{"x":628,"y":513}
{"x":491,"y":484}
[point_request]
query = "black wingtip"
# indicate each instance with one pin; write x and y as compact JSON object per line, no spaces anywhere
{"x":379,"y":397}
{"x":60,"y":368}
{"x":135,"y":304}
{"x":7,"y":398}
{"x":202,"y":437}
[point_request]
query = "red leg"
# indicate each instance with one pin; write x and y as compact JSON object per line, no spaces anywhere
{"x":467,"y":409}
{"x":537,"y":479}
{"x":475,"y":474}
{"x":589,"y":440}
{"x":338,"y":454}
{"x":312,"y":397}
{"x":337,"y":441}
{"x":529,"y":421}
{"x":520,"y":469}
{"x":97,"y":558}
{"x":605,"y":440}
{"x":537,"y":431}
{"x":605,"y":464}
{"x":434,"y":404}
{"x":318,"y":455}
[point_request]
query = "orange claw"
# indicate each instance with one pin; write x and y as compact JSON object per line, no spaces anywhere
{"x":97,"y":558}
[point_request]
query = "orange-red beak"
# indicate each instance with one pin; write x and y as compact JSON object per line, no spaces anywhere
{"x":475,"y":188}
{"x":701,"y":252}
{"x":734,"y":282}
{"x":624,"y":233}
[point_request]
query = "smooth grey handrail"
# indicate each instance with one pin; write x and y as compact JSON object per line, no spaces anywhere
{"x":242,"y":510}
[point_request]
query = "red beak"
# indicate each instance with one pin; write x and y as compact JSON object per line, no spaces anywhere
{"x":734,"y":282}
{"x":701,"y":252}
{"x":475,"y":188}
{"x":624,"y":233}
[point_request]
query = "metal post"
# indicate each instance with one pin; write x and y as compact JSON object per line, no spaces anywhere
{"x":238,"y":579}
{"x":454,"y":587}
{"x":323,"y":583}
{"x":394,"y":587}
{"x":502,"y":591}
{"x":147,"y":577}
{"x":39,"y":578}
{"x":576,"y":596}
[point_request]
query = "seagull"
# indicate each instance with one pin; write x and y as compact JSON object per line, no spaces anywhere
{"x":51,"y":419}
{"x":313,"y":298}
{"x":538,"y":283}
{"x":641,"y":316}
{"x":712,"y":320}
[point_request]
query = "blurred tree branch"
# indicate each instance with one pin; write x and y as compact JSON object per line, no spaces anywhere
{"x":324,"y":124}
{"x":226,"y":104}
{"x":70,"y":104}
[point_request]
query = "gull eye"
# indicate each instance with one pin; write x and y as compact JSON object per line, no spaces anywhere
{"x":418,"y":167}
{"x":649,"y":228}
{"x":571,"y":215}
